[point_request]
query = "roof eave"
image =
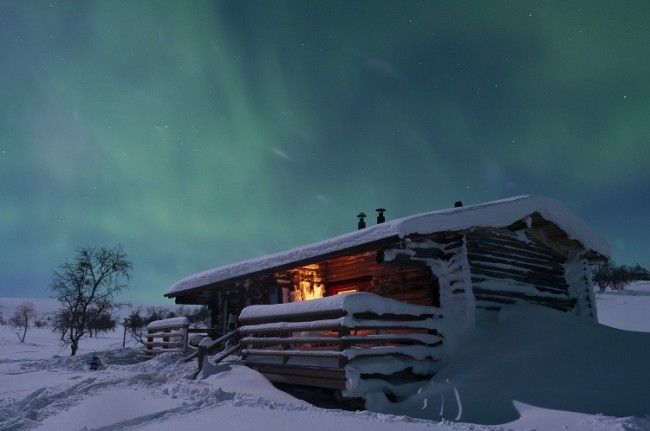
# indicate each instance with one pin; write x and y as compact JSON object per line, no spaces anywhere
{"x":268,"y":271}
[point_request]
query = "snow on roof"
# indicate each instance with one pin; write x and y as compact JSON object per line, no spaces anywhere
{"x":499,"y":213}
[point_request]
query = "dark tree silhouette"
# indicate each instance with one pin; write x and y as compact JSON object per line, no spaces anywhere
{"x":86,"y":287}
{"x":23,"y":315}
{"x":100,"y":321}
{"x":615,"y":277}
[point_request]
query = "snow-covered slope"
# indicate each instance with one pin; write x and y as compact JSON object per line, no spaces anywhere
{"x":534,"y":369}
{"x":628,"y":309}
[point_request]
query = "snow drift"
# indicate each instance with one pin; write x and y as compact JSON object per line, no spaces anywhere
{"x":540,"y":357}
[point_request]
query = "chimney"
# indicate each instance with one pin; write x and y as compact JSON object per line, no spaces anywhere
{"x":362,"y":221}
{"x":380,"y":215}
{"x":458,"y":204}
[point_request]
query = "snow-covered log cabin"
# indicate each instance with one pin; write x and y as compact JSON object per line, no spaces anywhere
{"x":323,"y":313}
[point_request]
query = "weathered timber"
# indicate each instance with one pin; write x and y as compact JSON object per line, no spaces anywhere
{"x":523,"y":248}
{"x":397,"y":317}
{"x":515,"y":243}
{"x":291,"y":377}
{"x":517,"y":255}
{"x":554,"y":279}
{"x":540,"y":266}
{"x":293,"y":352}
{"x":408,"y":295}
{"x":294,"y":317}
{"x":481,"y":281}
{"x":496,"y":299}
{"x":214,"y":345}
{"x":308,"y":326}
{"x":405,"y":259}
{"x":227,"y":352}
{"x":510,"y":253}
{"x":430,"y":253}
{"x":542,"y":294}
{"x":325,"y":372}
{"x":532,"y":278}
{"x":201,"y":330}
{"x":568,"y":302}
{"x":345,"y":341}
{"x":152,"y":344}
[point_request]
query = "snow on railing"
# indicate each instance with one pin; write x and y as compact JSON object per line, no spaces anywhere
{"x":346,"y":342}
{"x":167,"y":335}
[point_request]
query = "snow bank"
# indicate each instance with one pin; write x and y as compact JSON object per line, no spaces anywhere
{"x":539,"y":357}
{"x":499,"y":213}
{"x":628,"y":309}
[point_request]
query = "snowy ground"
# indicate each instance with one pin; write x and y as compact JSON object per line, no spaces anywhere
{"x":565,"y":374}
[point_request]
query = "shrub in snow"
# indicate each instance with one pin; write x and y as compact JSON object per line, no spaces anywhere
{"x":615,"y":277}
{"x":137,"y":321}
{"x":100,"y":321}
{"x":40,"y":323}
{"x":21,"y":319}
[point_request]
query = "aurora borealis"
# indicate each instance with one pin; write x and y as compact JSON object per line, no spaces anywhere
{"x":198,"y":133}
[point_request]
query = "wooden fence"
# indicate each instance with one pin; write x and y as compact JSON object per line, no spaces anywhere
{"x":168,"y":335}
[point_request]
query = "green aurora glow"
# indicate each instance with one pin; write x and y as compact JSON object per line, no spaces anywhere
{"x":200,"y":133}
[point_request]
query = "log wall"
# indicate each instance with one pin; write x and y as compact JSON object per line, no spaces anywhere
{"x":507,"y":267}
{"x":408,"y":281}
{"x":443,"y":256}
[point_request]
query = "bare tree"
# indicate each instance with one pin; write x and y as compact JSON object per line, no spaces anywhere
{"x":24,"y":314}
{"x":87,"y":286}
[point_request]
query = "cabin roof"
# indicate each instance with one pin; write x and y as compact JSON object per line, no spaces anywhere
{"x":499,"y":213}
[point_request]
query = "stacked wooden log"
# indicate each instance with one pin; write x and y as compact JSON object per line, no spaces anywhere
{"x":507,"y":268}
{"x":335,"y":347}
{"x":167,"y":335}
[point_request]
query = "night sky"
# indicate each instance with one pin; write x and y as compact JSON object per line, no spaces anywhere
{"x":197,"y":134}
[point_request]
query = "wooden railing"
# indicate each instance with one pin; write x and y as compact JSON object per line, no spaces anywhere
{"x":168,"y":335}
{"x":208,"y":332}
{"x":322,"y":348}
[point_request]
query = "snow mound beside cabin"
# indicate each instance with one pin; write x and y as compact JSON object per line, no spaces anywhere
{"x":537,"y":357}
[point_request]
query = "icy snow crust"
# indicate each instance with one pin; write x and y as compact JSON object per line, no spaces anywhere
{"x":352,"y":303}
{"x":169,"y":323}
{"x":499,"y":213}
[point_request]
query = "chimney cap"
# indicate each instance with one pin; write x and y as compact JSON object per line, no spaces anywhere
{"x":380,"y":210}
{"x":362,"y":214}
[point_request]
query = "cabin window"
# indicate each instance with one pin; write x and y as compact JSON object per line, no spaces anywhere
{"x":308,"y":284}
